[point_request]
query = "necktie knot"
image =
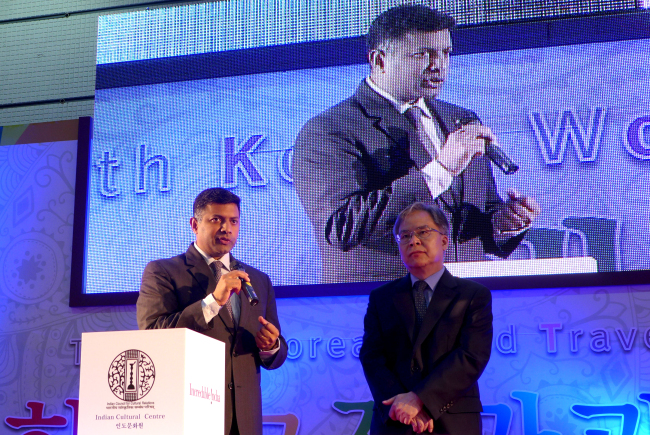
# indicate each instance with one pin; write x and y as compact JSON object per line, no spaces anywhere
{"x":415,"y":114}
{"x":216,"y":269}
{"x":420,"y":286}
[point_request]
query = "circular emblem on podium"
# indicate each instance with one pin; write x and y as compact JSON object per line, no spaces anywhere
{"x":131,"y":375}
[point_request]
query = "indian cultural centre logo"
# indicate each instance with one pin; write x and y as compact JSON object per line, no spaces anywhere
{"x":131,"y":375}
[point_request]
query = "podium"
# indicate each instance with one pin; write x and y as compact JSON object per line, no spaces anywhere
{"x":162,"y":381}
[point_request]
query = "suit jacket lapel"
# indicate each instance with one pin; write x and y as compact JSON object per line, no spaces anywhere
{"x":200,"y":270}
{"x":392,"y":123}
{"x":443,"y":295}
{"x":395,"y":125}
{"x":202,"y":273}
{"x":403,"y":300}
{"x":447,"y":122}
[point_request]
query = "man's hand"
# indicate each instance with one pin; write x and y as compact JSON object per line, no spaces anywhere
{"x":422,"y":423}
{"x":463,"y":145}
{"x":517,"y":213}
{"x":267,"y":336}
{"x":229,"y":283}
{"x":404,"y":407}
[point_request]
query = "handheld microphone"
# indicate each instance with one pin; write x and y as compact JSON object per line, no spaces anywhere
{"x":492,"y":151}
{"x":246,"y":287}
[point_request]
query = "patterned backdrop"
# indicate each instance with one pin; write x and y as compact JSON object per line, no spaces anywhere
{"x":564,"y":360}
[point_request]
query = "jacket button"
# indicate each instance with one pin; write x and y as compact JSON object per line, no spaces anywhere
{"x":231,"y":386}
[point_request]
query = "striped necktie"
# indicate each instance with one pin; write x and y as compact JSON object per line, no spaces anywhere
{"x":415,"y":114}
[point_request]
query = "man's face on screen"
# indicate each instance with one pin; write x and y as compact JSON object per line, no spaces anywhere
{"x":414,"y":66}
{"x":218,"y":229}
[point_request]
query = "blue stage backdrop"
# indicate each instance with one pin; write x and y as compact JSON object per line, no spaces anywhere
{"x":564,"y":360}
{"x":172,"y":118}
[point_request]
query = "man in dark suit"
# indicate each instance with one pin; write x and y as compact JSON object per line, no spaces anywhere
{"x":427,"y":337}
{"x":200,"y":290}
{"x":356,"y":165}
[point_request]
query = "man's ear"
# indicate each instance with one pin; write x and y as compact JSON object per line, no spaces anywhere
{"x":445,"y":242}
{"x":376,"y":59}
{"x":194,"y":224}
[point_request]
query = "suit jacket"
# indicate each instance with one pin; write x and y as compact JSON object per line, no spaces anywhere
{"x":442,"y":364}
{"x":357,"y":165}
{"x":170,"y":297}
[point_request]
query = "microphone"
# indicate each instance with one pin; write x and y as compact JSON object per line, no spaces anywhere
{"x":246,"y":286}
{"x":492,"y":151}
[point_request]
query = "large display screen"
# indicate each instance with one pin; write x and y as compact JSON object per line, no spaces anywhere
{"x":180,"y":107}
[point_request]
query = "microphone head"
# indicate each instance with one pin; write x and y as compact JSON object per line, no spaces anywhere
{"x":250,"y":293}
{"x":500,"y":159}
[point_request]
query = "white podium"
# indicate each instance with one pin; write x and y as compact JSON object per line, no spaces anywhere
{"x":163,"y":381}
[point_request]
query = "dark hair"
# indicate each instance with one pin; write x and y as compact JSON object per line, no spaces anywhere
{"x":396,"y":22}
{"x":214,"y":195}
{"x":437,"y":215}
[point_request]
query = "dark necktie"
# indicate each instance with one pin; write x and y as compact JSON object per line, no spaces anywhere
{"x":420,"y":301}
{"x":415,"y":114}
{"x":216,"y":270}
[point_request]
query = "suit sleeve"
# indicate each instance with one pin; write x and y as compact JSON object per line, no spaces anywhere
{"x":383,"y":383}
{"x":483,"y":221}
{"x":462,"y":367}
{"x":158,"y":306}
{"x":272,"y":316}
{"x":341,"y":195}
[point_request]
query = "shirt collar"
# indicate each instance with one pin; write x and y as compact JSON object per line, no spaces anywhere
{"x":401,"y":107}
{"x":225,"y":260}
{"x":432,"y":280}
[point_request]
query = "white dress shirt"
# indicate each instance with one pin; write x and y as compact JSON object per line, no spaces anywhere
{"x":211,"y":307}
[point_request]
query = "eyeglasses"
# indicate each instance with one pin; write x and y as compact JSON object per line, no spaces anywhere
{"x":422,"y":233}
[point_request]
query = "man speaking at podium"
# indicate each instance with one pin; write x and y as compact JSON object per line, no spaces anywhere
{"x":202,"y":290}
